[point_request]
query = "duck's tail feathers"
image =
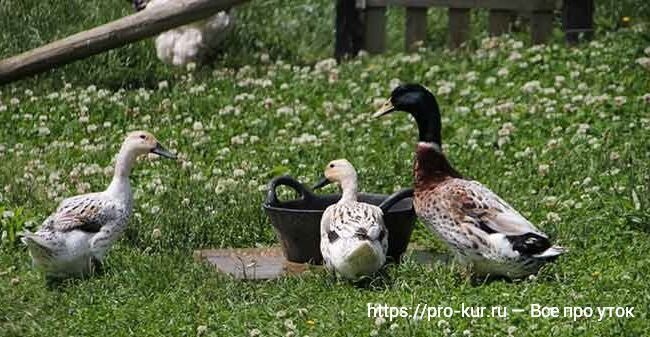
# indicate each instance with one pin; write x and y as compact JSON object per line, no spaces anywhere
{"x":36,"y":244}
{"x":551,"y":254}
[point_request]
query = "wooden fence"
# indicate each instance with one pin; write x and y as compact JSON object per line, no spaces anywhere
{"x":361,"y":24}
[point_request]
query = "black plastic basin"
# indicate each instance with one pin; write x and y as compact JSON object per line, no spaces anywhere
{"x":297,"y":222}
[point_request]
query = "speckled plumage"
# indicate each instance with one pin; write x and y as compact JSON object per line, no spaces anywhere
{"x":83,"y":228}
{"x":486,"y":232}
{"x":354,"y":239}
{"x":479,"y":226}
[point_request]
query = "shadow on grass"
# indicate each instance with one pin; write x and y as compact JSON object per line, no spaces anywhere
{"x":56,"y":283}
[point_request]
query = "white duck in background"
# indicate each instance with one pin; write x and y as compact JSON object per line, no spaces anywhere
{"x":82,"y":229}
{"x":354,"y":239}
{"x":192,"y":43}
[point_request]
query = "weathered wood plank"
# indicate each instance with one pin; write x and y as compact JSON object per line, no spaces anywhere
{"x":120,"y":32}
{"x":416,"y":27}
{"x":375,"y":30}
{"x":349,"y":30}
{"x":459,"y":20}
{"x":578,"y":20}
{"x":541,"y":26}
{"x":524,"y":5}
{"x":499,"y":21}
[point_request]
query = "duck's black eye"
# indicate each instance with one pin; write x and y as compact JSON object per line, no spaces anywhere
{"x":332,"y":165}
{"x":143,"y":137}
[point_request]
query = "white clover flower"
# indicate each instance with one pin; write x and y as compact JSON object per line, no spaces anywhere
{"x":553,"y":217}
{"x":444,"y":90}
{"x":514,"y":56}
{"x":531,"y":87}
{"x":43,"y":131}
{"x":163,"y":85}
{"x":201,"y":330}
{"x":325,"y":65}
{"x":613,"y":156}
{"x":254,"y":332}
{"x":644,"y":62}
{"x":506,"y":129}
{"x":379,"y":321}
{"x":288,"y":323}
{"x":503,"y":72}
{"x":583,"y":128}
{"x":156,"y":233}
{"x":543,"y":169}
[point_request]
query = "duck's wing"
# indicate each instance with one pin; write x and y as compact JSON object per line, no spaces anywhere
{"x":85,"y":212}
{"x":358,"y":220}
{"x":479,"y":205}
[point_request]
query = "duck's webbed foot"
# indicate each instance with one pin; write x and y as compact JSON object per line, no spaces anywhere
{"x":96,"y":266}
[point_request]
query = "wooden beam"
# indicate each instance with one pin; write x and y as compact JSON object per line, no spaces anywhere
{"x":349,"y":30}
{"x":115,"y":34}
{"x":578,"y":20}
{"x":499,"y":21}
{"x":459,"y":20}
{"x":375,"y":30}
{"x":541,"y":26}
{"x":522,"y":5}
{"x":416,"y":27}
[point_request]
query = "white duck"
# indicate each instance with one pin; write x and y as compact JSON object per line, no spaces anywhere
{"x":192,"y":43}
{"x":354,"y":239}
{"x":84,"y":227}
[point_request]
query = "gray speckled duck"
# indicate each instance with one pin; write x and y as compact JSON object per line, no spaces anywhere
{"x":84,"y":227}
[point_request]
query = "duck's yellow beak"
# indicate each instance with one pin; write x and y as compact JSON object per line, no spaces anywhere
{"x":386,"y":108}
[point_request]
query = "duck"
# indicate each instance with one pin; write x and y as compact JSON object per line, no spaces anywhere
{"x":488,"y":235}
{"x":354,"y":239}
{"x":74,"y":240}
{"x":194,"y":43}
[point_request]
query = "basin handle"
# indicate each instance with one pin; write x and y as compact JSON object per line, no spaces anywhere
{"x":272,"y":197}
{"x":395,"y":198}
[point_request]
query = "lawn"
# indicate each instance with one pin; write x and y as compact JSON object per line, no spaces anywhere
{"x":562,"y":134}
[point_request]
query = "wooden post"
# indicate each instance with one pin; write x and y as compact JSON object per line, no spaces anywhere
{"x":349,"y":30}
{"x":120,"y":32}
{"x":578,"y":20}
{"x":499,"y":21}
{"x":375,"y":30}
{"x":541,"y":26}
{"x":416,"y":27}
{"x":458,"y":26}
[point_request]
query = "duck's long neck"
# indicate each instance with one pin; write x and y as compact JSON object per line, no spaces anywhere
{"x":431,"y":166}
{"x":120,"y":186}
{"x":349,"y":189}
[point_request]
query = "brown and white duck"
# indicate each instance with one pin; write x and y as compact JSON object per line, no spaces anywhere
{"x":487,"y":234}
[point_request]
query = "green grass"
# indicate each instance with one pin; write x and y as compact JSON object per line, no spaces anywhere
{"x":58,"y":140}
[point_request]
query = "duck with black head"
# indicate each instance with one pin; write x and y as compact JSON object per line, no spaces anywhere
{"x":487,"y":234}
